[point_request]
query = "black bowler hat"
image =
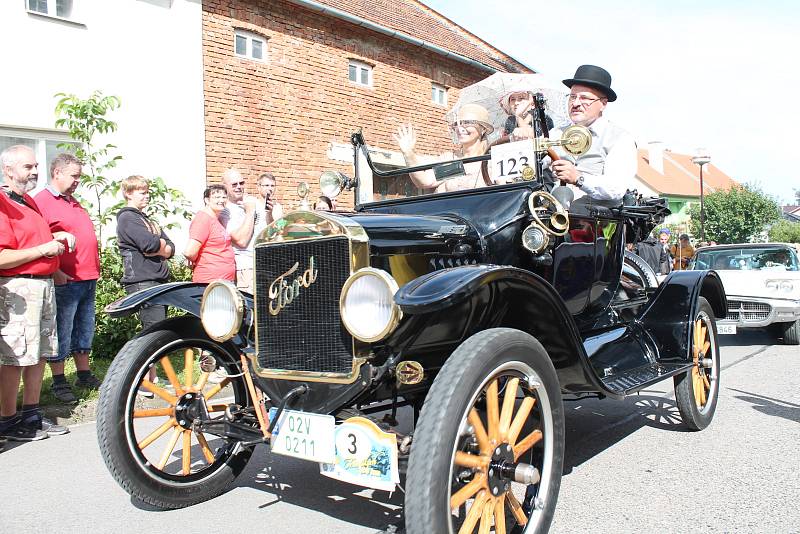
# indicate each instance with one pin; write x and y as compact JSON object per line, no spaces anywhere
{"x":593,"y":76}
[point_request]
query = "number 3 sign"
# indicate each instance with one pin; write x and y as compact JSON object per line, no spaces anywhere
{"x":509,"y":159}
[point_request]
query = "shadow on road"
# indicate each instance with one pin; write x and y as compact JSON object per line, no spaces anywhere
{"x":748,"y":337}
{"x":770,"y":406}
{"x":280,"y":478}
{"x":594,"y":426}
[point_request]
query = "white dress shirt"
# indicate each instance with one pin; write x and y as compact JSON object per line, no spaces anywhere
{"x":609,"y":166}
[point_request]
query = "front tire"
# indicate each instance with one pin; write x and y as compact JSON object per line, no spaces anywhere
{"x":460,"y":470}
{"x":791,"y":333}
{"x":696,"y":391}
{"x":138,"y":438}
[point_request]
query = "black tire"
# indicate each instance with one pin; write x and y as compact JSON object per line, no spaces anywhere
{"x":496,"y":357}
{"x":696,"y":391}
{"x":791,"y":333}
{"x":642,"y":268}
{"x":120,"y":432}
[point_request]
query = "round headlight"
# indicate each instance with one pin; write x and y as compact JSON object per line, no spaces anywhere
{"x":221,"y":310}
{"x":534,"y":239}
{"x":367,"y":304}
{"x":331,"y":183}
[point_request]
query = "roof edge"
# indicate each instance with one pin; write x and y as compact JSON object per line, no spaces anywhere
{"x":474,"y":37}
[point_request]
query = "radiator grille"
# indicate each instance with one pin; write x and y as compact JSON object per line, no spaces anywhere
{"x":747,"y":311}
{"x":307,"y":334}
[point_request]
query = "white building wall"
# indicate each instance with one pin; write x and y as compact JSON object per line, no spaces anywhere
{"x":147,"y":52}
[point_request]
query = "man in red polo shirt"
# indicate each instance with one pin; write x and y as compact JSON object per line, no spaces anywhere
{"x":28,"y":258}
{"x":76,"y":279}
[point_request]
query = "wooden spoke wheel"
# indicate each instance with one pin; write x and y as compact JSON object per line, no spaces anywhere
{"x":155,"y":448}
{"x":696,"y":391}
{"x":488,"y":451}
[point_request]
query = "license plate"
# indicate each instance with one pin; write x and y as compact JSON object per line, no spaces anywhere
{"x":304,"y":435}
{"x":726,"y":328}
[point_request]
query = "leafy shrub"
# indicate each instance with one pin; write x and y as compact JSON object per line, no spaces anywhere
{"x":112,"y":333}
{"x":785,"y":232}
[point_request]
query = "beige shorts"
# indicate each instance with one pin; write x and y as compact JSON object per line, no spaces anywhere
{"x":27,"y":321}
{"x":244,"y":280}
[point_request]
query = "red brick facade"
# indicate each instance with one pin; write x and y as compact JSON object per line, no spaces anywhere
{"x":282,"y":115}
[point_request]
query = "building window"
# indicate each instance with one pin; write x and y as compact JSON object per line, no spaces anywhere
{"x":63,"y":9}
{"x":250,"y":45}
{"x":439,"y":94}
{"x":44,"y":144}
{"x":360,"y":73}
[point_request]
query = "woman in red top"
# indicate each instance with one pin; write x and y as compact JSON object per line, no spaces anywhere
{"x":209,"y":248}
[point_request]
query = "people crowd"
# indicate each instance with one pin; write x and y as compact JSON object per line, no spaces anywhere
{"x":50,"y":265}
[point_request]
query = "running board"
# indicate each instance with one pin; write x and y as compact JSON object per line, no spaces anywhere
{"x":641,"y":377}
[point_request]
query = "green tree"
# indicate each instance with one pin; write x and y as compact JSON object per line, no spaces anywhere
{"x":735,"y":215}
{"x":85,"y":120}
{"x":785,"y":232}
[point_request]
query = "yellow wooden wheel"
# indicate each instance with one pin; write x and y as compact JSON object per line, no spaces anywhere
{"x":156,"y":448}
{"x":489,"y":446}
{"x":696,"y":391}
{"x":501,"y":433}
{"x":174,"y":406}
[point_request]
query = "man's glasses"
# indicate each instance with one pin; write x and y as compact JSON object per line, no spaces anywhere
{"x":238,"y":183}
{"x":265,"y":185}
{"x":581,"y":99}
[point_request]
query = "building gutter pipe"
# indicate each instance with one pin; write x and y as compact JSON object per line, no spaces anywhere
{"x":343,"y":15}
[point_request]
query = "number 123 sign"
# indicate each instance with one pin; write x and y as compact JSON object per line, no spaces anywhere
{"x":509,"y":159}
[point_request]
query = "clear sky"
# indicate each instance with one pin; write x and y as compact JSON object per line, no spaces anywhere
{"x":718,"y":74}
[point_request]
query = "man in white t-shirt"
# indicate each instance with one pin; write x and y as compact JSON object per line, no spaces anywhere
{"x":239,"y":219}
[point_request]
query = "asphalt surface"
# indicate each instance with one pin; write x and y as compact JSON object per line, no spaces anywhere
{"x":630,"y":467}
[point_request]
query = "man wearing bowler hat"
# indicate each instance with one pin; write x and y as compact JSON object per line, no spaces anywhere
{"x":607,"y":169}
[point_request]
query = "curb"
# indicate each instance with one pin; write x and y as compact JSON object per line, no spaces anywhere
{"x":83,"y":412}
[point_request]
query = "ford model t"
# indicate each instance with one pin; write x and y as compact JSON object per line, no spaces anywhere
{"x":482,"y":309}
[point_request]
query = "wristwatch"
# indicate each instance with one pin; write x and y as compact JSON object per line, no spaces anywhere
{"x":579,"y":181}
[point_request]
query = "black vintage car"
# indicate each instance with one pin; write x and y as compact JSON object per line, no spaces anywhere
{"x":481,"y":309}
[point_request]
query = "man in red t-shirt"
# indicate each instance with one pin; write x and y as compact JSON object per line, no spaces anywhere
{"x":76,"y":279}
{"x":28,"y":258}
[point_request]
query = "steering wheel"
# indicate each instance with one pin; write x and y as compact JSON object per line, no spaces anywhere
{"x":544,"y":205}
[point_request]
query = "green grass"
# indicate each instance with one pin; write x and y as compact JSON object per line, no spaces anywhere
{"x":99,"y":367}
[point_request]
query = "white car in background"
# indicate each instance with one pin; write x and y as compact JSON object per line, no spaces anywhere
{"x":762,"y":283}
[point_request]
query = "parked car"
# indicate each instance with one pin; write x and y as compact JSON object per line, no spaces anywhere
{"x":481,"y":309}
{"x":762,"y":284}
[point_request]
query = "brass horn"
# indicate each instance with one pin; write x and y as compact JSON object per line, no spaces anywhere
{"x":576,"y":140}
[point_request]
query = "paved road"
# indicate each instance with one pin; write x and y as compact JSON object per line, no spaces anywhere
{"x":630,"y":468}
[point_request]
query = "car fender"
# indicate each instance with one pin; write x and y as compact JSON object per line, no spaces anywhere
{"x":506,"y":296}
{"x":667,"y":317}
{"x":186,"y":296}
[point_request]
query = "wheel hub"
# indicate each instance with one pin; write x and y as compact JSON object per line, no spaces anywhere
{"x":188,"y":408}
{"x":501,"y":469}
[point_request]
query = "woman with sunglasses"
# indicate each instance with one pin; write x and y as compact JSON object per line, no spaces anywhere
{"x":469,"y":132}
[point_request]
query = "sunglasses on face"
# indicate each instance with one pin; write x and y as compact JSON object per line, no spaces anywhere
{"x":464,"y":124}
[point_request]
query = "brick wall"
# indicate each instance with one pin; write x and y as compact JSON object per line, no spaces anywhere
{"x":283,"y":114}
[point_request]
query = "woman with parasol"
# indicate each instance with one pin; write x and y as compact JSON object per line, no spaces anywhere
{"x":470,"y":130}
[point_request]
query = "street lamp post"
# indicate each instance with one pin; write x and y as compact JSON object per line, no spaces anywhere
{"x":701,"y":159}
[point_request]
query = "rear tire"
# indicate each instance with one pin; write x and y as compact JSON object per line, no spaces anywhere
{"x":477,"y":379}
{"x":696,"y":391}
{"x":135,"y":453}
